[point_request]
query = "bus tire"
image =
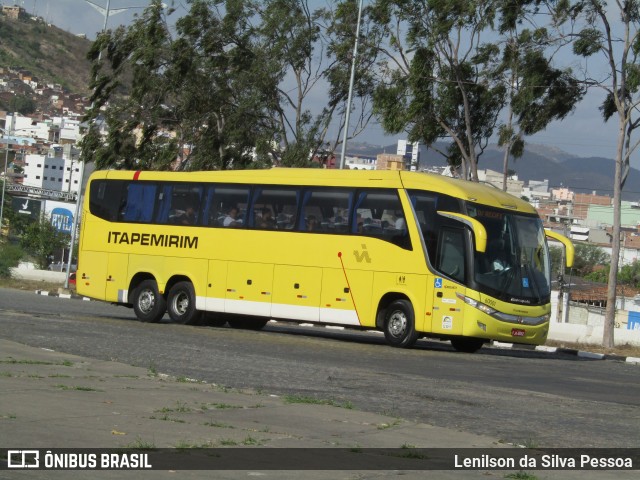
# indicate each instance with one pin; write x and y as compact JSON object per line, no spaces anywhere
{"x":399,"y":324}
{"x":467,"y":345}
{"x":148,"y":304}
{"x":181,"y":304}
{"x":212,"y":319}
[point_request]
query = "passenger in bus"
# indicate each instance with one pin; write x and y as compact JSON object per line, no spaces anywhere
{"x":266,"y":220}
{"x":312,"y":223}
{"x":400,"y":222}
{"x":188,"y":216}
{"x":232,"y":220}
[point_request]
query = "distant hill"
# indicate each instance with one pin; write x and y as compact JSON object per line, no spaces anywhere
{"x":46,"y":51}
{"x":539,"y":162}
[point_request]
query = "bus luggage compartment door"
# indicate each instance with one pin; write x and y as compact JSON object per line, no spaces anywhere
{"x":346,"y":297}
{"x":92,"y":274}
{"x":117,"y":280}
{"x":296,"y":293}
{"x":249,"y":288}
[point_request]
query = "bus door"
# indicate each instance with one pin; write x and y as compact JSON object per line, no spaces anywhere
{"x":249,"y":288}
{"x":450,"y":265}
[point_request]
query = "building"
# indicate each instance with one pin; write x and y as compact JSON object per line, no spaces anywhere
{"x":411,"y":154}
{"x":387,"y":161}
{"x":14,"y":12}
{"x":58,"y":170}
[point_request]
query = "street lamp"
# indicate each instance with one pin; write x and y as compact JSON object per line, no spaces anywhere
{"x":353,"y":73}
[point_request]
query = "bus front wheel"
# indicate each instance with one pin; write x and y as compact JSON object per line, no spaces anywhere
{"x":148,"y":304}
{"x":181,"y":304}
{"x":399,"y":324}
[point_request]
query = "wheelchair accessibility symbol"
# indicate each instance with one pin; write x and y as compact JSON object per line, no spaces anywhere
{"x":438,"y":283}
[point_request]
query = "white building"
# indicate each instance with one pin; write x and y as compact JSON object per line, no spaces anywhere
{"x":59,"y":170}
{"x":407,"y":149}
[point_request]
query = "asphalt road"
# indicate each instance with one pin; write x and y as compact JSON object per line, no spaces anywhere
{"x":518,"y":396}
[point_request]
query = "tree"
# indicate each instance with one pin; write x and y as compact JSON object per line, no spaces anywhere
{"x":619,"y":45}
{"x":440,"y":77}
{"x":41,"y":240}
{"x":538,"y":92}
{"x":588,"y":257}
{"x":202,"y":100}
{"x":22,"y":104}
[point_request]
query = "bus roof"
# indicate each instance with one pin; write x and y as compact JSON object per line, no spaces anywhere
{"x":470,"y":191}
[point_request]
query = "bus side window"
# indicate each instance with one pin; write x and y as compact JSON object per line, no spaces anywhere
{"x":141,"y":197}
{"x":221,"y":199}
{"x":378,"y":213}
{"x":325,"y":210}
{"x":106,"y":198}
{"x":274,"y":208}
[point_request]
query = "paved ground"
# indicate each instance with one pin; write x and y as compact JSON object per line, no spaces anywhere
{"x":56,"y":400}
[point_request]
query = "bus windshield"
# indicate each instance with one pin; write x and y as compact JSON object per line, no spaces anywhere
{"x":515,"y":265}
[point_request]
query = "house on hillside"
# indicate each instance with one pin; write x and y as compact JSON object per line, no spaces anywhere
{"x":14,"y":12}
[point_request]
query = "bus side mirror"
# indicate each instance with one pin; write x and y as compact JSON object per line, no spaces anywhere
{"x":568,"y":246}
{"x":476,"y":227}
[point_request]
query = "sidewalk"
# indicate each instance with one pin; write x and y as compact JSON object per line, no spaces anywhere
{"x":56,"y":400}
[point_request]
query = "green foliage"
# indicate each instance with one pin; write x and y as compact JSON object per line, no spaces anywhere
{"x":630,"y":274}
{"x":588,"y":257}
{"x":10,"y":256}
{"x":41,"y":240}
{"x":221,"y":84}
{"x":589,"y":42}
{"x":22,"y":104}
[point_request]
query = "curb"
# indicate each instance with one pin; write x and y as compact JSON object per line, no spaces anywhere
{"x":572,"y":351}
{"x":71,"y":296}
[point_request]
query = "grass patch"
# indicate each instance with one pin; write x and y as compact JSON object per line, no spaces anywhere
{"x":316,"y":401}
{"x":13,"y":361}
{"x":140,"y":444}
{"x":167,"y":418}
{"x":180,"y":407}
{"x":217,"y":425}
{"x":78,"y":388}
{"x":521,"y":476}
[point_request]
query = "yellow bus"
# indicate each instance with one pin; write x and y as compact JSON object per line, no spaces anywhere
{"x":411,"y":254}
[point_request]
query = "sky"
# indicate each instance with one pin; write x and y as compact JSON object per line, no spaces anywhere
{"x":582,"y":133}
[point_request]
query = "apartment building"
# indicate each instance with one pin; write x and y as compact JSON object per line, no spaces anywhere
{"x":58,"y":170}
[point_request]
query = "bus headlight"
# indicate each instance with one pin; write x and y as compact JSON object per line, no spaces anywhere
{"x":504,"y":317}
{"x":476,"y":304}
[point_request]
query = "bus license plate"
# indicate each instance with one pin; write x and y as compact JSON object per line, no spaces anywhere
{"x":517,"y":332}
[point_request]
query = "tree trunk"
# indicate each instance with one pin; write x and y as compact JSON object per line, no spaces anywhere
{"x":610,"y":313}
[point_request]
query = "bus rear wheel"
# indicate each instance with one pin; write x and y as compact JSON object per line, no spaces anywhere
{"x":181,"y":304}
{"x":467,"y":345}
{"x":148,"y":304}
{"x":399,"y":324}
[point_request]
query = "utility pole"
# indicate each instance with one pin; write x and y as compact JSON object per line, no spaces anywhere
{"x":349,"y":96}
{"x":7,"y":137}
